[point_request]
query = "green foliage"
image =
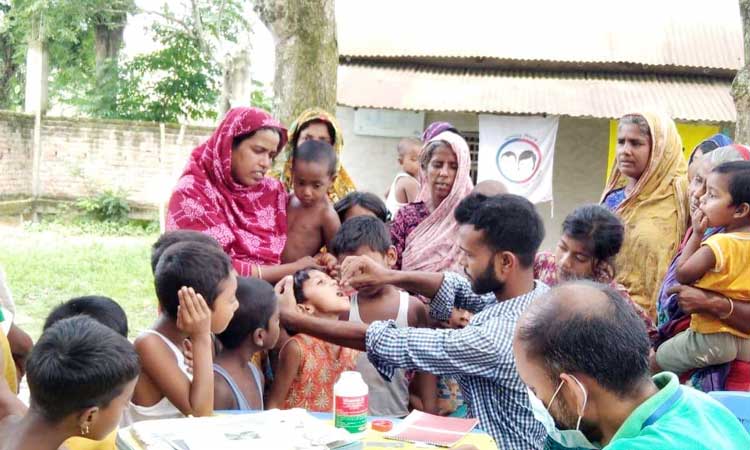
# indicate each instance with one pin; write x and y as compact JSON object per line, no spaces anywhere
{"x":68,"y":29}
{"x":179,"y":81}
{"x":258,"y":97}
{"x":11,"y":59}
{"x":169,"y":84}
{"x":107,"y":206}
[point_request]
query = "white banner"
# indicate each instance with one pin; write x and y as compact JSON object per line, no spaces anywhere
{"x":519,"y":151}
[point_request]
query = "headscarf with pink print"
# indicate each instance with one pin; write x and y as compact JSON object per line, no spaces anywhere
{"x":249,"y":222}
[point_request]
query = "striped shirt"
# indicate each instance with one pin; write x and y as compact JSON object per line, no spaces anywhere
{"x":479,"y":356}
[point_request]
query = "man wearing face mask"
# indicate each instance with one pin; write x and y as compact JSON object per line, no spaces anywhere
{"x":499,"y":237}
{"x":583,"y":353}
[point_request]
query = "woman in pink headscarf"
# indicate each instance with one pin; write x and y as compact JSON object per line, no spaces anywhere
{"x":425,"y":232}
{"x":224,"y":192}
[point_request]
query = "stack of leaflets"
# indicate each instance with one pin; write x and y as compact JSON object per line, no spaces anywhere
{"x":423,"y":428}
{"x":291,"y":429}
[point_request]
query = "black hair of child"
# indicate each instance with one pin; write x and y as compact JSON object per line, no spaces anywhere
{"x":299,"y":279}
{"x":316,"y":151}
{"x":200,"y":266}
{"x":509,"y":222}
{"x":739,"y":180}
{"x":102,"y":309}
{"x":705,"y":147}
{"x":257,"y":301}
{"x":366,"y":200}
{"x":359,"y":232}
{"x":173,"y":237}
{"x":597,"y":225}
{"x":78,"y":363}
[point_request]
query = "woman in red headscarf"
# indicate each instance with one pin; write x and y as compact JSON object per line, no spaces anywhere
{"x":225,"y":193}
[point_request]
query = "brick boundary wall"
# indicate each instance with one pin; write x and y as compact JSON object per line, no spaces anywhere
{"x":81,"y":157}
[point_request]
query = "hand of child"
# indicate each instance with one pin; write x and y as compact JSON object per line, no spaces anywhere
{"x":285,"y":292}
{"x":700,"y":222}
{"x":193,"y":314}
{"x":329,"y":262}
{"x":361,"y":272}
{"x":187,"y":353}
{"x":308,"y":262}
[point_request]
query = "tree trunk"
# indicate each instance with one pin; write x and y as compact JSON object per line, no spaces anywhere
{"x":306,"y":54}
{"x":741,"y":84}
{"x":237,"y":83}
{"x":108,"y":40}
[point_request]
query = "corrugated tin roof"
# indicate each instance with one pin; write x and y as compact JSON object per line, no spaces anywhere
{"x":515,"y":92}
{"x":679,"y":33}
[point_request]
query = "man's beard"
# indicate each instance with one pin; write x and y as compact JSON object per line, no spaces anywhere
{"x":486,"y":282}
{"x":568,"y":422}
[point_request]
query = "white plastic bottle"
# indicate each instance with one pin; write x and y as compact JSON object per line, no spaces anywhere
{"x":350,"y":402}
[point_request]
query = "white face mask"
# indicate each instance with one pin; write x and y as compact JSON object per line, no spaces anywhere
{"x":567,"y":438}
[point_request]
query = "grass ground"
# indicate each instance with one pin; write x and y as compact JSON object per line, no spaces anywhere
{"x":48,"y":265}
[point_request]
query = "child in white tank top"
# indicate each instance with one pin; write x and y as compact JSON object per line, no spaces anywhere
{"x":368,"y":236}
{"x":195,"y":284}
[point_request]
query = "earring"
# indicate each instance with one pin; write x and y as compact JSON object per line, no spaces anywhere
{"x":85,"y":429}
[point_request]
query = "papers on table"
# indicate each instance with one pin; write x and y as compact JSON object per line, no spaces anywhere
{"x":292,"y":429}
{"x":426,"y":428}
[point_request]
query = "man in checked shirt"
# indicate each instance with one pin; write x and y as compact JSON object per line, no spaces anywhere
{"x":499,"y":237}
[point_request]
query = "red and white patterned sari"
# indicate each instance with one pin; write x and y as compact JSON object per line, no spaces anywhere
{"x":249,"y":222}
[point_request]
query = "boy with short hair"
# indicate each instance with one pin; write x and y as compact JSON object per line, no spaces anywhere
{"x":238,"y":384}
{"x":196,"y":285}
{"x":721,"y":264}
{"x":311,"y":220}
{"x":102,"y":309}
{"x":172,"y":237}
{"x":405,"y":186}
{"x":368,"y":236}
{"x":108,"y":313}
{"x":81,"y":375}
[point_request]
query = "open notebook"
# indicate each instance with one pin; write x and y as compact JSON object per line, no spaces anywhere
{"x":429,"y":429}
{"x":274,"y":429}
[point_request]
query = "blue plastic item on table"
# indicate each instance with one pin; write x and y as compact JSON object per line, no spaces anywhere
{"x":737,"y":402}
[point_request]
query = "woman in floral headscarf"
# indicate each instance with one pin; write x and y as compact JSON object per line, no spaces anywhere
{"x":648,"y":190}
{"x":225,"y":193}
{"x":317,"y":124}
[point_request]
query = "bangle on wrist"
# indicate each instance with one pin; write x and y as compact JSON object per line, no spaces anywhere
{"x":731,"y":309}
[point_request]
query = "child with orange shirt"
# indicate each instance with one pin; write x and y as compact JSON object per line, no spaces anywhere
{"x":308,"y":367}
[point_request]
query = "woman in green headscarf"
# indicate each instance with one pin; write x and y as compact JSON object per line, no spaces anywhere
{"x":317,"y":124}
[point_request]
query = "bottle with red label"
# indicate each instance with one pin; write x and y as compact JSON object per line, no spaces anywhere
{"x":350,"y":402}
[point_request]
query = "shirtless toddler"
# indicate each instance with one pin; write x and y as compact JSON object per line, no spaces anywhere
{"x":311,"y":220}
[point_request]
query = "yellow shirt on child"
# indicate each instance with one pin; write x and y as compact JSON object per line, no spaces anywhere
{"x":730,"y":277}
{"x":81,"y":443}
{"x":7,"y":364}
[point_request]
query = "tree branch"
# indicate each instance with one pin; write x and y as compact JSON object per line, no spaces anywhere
{"x":201,"y":34}
{"x":171,"y":18}
{"x":220,"y":15}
